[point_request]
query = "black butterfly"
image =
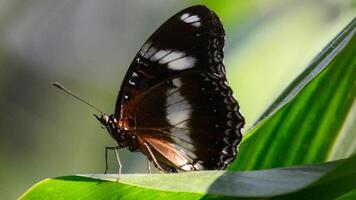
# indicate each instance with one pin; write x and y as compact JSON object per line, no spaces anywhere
{"x":175,"y":105}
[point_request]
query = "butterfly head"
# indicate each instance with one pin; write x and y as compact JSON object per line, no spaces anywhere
{"x":107,"y":121}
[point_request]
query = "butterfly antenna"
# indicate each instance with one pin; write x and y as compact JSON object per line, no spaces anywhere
{"x":61,"y":87}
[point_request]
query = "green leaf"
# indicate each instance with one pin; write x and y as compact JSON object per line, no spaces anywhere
{"x":350,"y":195}
{"x":304,"y":125}
{"x":338,"y":178}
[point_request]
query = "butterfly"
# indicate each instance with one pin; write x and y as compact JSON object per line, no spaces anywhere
{"x":175,"y":105}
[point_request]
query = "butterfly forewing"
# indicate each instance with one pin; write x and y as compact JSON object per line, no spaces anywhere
{"x":175,"y":95}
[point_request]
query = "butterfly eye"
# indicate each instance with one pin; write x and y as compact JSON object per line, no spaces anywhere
{"x":112,"y":119}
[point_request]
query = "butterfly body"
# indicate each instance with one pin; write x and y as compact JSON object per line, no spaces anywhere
{"x":175,"y":105}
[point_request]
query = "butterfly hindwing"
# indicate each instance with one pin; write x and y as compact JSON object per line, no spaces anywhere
{"x":196,"y":114}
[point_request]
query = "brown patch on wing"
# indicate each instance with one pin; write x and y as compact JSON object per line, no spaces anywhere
{"x":164,"y":152}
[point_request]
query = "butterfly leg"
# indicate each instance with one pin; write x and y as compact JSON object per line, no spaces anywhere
{"x":106,"y":158}
{"x":153,"y":157}
{"x":116,"y":150}
{"x":148,"y":166}
{"x":118,"y":161}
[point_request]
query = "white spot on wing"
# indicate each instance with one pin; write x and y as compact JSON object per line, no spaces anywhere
{"x":159,"y":55}
{"x":196,"y":24}
{"x":172,"y":56}
{"x":187,"y":167}
{"x":177,"y":82}
{"x":177,"y":113}
{"x":146,"y":46}
{"x":198,"y":166}
{"x":178,"y":118}
{"x":182,"y":63}
{"x":191,"y":19}
{"x":185,"y":15}
{"x":182,"y":106}
{"x":150,"y":52}
{"x":182,"y":134}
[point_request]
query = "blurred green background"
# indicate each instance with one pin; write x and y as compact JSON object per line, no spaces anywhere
{"x":88,"y":46}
